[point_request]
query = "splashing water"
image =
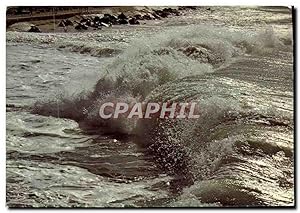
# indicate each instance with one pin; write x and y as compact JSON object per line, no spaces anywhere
{"x":238,"y":153}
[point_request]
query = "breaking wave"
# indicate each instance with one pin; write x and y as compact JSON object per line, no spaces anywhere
{"x":152,"y":62}
{"x":220,"y":149}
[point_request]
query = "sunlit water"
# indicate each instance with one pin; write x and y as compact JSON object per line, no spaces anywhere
{"x":236,"y":62}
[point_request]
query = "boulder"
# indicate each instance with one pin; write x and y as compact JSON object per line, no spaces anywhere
{"x":171,"y":11}
{"x":96,"y":19}
{"x":62,"y":23}
{"x":105,"y":25}
{"x":106,"y":19}
{"x":88,"y":23}
{"x":163,"y":14}
{"x":97,"y":25}
{"x":122,"y":21}
{"x":187,"y":8}
{"x":155,"y":16}
{"x":122,"y":16}
{"x":138,"y":17}
{"x":83,"y":20}
{"x":81,"y":26}
{"x":65,"y":22}
{"x":34,"y":29}
{"x":111,"y":17}
{"x":68,"y":22}
{"x":133,"y":21}
{"x":147,"y":17}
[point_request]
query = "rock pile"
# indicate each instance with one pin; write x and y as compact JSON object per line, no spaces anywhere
{"x":107,"y":20}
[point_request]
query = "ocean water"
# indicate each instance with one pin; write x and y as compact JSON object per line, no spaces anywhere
{"x":235,"y":62}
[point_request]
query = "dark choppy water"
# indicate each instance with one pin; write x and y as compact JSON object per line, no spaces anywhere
{"x":236,"y":62}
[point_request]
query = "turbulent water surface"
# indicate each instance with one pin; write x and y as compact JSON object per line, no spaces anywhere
{"x":237,"y":63}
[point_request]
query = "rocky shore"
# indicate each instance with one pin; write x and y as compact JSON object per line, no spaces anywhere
{"x":98,"y":20}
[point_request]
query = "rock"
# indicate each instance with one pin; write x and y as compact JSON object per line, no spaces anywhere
{"x":155,"y":16}
{"x":202,"y":54}
{"x":106,"y":19}
{"x":96,"y":19}
{"x":62,"y":23}
{"x":171,"y":11}
{"x":78,"y":27}
{"x":65,"y":23}
{"x":96,"y":23}
{"x":92,"y":24}
{"x":84,"y":27}
{"x":147,"y":17}
{"x":167,"y":10}
{"x":122,"y":16}
{"x":138,"y":17}
{"x":68,"y":22}
{"x":111,"y":17}
{"x":192,"y":7}
{"x":81,"y":26}
{"x":105,"y":25}
{"x":88,"y":23}
{"x":122,"y":21}
{"x":133,"y":21}
{"x":163,"y":14}
{"x":83,"y":20}
{"x":187,"y":7}
{"x":34,"y":29}
{"x":97,"y":26}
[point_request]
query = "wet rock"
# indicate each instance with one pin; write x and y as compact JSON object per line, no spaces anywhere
{"x":122,"y":21}
{"x":138,"y":17}
{"x":88,"y":23}
{"x":171,"y":11}
{"x":96,"y":24}
{"x":187,"y":8}
{"x":133,"y":21}
{"x":163,"y":14}
{"x":83,"y":20}
{"x":96,"y":19}
{"x":122,"y":16}
{"x":202,"y":54}
{"x":65,"y":22}
{"x":147,"y":17}
{"x":113,"y":19}
{"x":62,"y":24}
{"x":156,"y":16}
{"x":105,"y":25}
{"x":68,"y":22}
{"x":34,"y":29}
{"x":81,"y":26}
{"x":108,"y":19}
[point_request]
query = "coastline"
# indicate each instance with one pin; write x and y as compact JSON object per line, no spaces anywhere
{"x":52,"y":21}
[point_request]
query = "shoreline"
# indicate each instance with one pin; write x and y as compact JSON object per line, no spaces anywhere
{"x":96,"y":19}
